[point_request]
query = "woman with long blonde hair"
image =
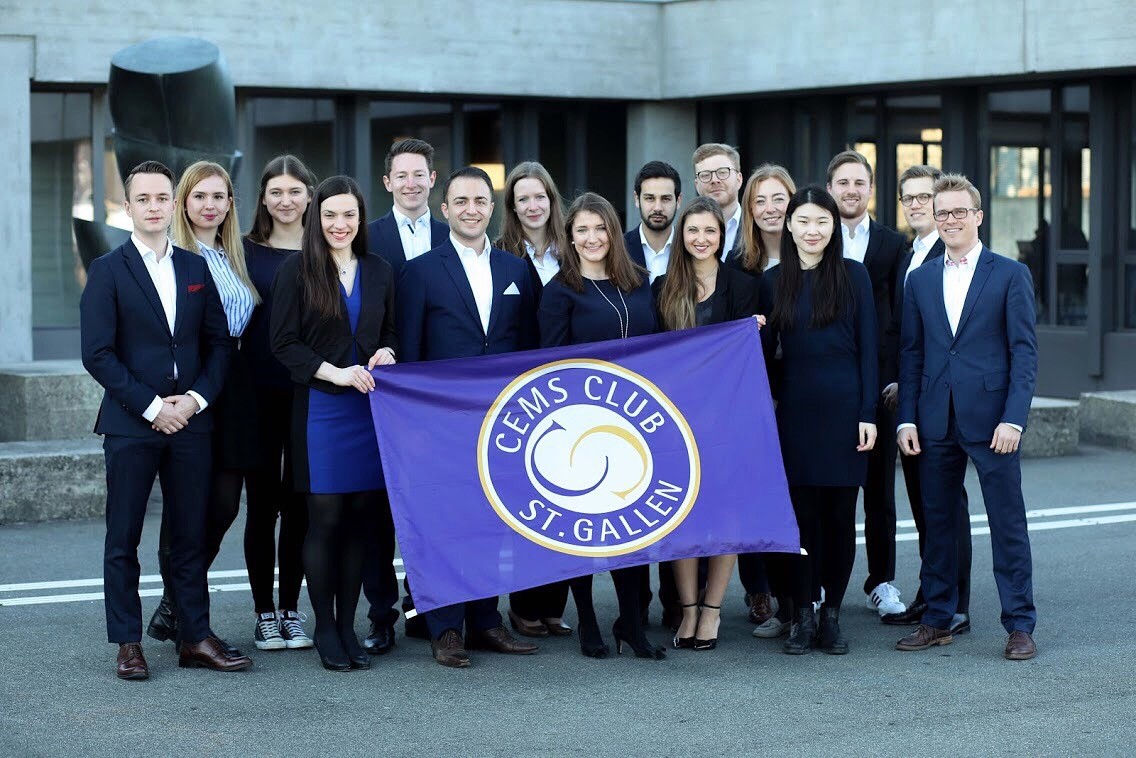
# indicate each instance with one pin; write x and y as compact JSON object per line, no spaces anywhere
{"x":533,"y":228}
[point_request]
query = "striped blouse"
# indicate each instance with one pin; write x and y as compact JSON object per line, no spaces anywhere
{"x":235,"y":295}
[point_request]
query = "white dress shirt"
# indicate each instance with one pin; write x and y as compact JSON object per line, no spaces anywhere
{"x":162,"y":274}
{"x":547,"y":265}
{"x":733,"y":223}
{"x":856,"y":241}
{"x":657,"y":261}
{"x":480,"y":277}
{"x":415,"y":233}
{"x":920,"y":248}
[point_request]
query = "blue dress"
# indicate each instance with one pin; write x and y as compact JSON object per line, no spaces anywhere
{"x":343,"y":453}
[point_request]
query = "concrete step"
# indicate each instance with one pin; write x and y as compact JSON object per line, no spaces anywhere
{"x":52,"y":479}
{"x":1053,"y":428}
{"x":1109,"y":418}
{"x":47,"y":400}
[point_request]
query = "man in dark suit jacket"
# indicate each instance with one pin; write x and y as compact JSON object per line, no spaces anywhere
{"x":850,"y":181}
{"x":718,"y":174}
{"x":658,"y":196}
{"x":403,"y":234}
{"x":408,"y":230}
{"x":154,"y":335}
{"x":968,"y":368}
{"x":464,"y":299}
{"x":916,"y":186}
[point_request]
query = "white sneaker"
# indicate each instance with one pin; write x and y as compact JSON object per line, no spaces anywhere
{"x":292,"y":630}
{"x":266,"y":635}
{"x":885,"y":599}
{"x":772,"y":628}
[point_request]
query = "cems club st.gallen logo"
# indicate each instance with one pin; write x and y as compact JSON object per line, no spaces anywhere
{"x":588,"y":458}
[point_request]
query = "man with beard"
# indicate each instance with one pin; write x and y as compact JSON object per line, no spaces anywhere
{"x":850,"y":182}
{"x":658,"y":195}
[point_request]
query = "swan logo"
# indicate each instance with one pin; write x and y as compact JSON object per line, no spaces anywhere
{"x":588,"y":458}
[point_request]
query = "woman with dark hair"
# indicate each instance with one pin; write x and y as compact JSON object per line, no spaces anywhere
{"x":821,"y":314}
{"x":286,"y":188}
{"x":697,"y":290}
{"x":334,"y":307}
{"x":599,"y":294}
{"x":533,"y":228}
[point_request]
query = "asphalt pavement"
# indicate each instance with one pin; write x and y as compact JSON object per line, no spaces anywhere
{"x":59,"y":696}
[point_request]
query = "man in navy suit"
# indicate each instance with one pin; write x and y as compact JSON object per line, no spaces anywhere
{"x":408,"y":230}
{"x":403,"y":234}
{"x":154,"y":335}
{"x":658,"y":196}
{"x":968,"y":367}
{"x":462,"y":299}
{"x":916,"y":188}
{"x":852,"y":183}
{"x":718,"y":174}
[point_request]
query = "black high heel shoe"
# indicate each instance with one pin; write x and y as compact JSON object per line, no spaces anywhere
{"x":710,"y":644}
{"x":642,"y":648}
{"x":685,"y":642}
{"x":356,"y":655}
{"x":331,"y":652}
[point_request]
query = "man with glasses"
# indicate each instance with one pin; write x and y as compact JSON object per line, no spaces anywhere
{"x":851,"y":183}
{"x":968,"y":368}
{"x":718,"y":174}
{"x":915,"y":192}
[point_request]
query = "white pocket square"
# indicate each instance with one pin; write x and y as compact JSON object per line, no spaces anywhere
{"x":511,"y":289}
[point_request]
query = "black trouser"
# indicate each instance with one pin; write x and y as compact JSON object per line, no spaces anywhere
{"x":879,"y":503}
{"x":379,"y":581}
{"x":751,"y":572}
{"x":334,"y":550}
{"x":543,"y":602}
{"x":915,"y":495}
{"x":182,"y":463}
{"x":220,"y":513}
{"x":826,"y":517}
{"x":270,"y":494}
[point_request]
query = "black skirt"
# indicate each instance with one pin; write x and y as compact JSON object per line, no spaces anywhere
{"x":236,"y":423}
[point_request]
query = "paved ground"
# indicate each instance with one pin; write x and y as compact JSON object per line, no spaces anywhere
{"x":58,"y":694}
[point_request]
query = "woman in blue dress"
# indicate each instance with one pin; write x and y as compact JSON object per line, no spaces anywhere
{"x":600,"y":294}
{"x":821,"y":314}
{"x":333,"y":321}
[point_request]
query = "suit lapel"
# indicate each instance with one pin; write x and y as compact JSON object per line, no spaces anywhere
{"x":719,"y":301}
{"x":875,"y":239}
{"x":141,"y":274}
{"x":368,"y":283}
{"x":393,"y":241}
{"x":438,"y":233}
{"x":181,"y":286}
{"x":497,"y":267}
{"x":939,"y":297}
{"x":981,"y":275}
{"x":454,"y":268}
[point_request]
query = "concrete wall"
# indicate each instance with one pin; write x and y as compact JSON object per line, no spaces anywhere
{"x":16,"y":210}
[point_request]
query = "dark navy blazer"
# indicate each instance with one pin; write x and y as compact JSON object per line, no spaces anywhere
{"x":383,"y":239}
{"x":127,"y":345}
{"x":989,"y":367}
{"x":890,"y":367}
{"x":635,"y":246}
{"x":437,"y":313}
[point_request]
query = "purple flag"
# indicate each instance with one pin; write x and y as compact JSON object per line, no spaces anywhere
{"x":511,"y":471}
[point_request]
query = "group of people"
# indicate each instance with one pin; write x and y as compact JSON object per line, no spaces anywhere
{"x":233,"y":362}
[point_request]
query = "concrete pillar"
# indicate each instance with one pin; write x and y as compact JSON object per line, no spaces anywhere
{"x":16,"y":61}
{"x":660,"y":132}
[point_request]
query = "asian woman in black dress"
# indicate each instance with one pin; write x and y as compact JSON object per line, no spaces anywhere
{"x":698,"y":290}
{"x":821,"y":313}
{"x":600,"y":294}
{"x":332,"y":321}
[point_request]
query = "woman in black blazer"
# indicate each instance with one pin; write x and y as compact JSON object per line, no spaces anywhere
{"x":698,"y":290}
{"x":333,"y":307}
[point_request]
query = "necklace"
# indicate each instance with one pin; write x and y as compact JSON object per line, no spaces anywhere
{"x":625,"y":317}
{"x":345,"y":267}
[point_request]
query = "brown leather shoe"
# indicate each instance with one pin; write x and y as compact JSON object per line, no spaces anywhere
{"x":211,"y":655}
{"x":449,"y":650}
{"x":131,"y":662}
{"x":1020,"y":647}
{"x":501,"y":641}
{"x":924,"y":637}
{"x":761,"y":608}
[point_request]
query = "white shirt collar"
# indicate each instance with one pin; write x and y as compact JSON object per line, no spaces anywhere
{"x":549,"y":252}
{"x":736,"y":218}
{"x":469,"y":251}
{"x":401,"y":219}
{"x":146,"y":251}
{"x":923,"y":245}
{"x":860,"y":228}
{"x":647,"y":245}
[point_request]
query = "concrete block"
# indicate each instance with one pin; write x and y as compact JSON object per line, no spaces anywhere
{"x":48,"y":480}
{"x":1053,"y":428}
{"x":47,"y":400}
{"x":1109,"y":418}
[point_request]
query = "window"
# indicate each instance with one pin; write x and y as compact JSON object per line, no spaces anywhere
{"x":299,"y":126}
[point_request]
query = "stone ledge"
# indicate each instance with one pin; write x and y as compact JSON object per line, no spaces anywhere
{"x":49,"y":480}
{"x":1053,"y":428}
{"x":47,"y":400}
{"x":1109,"y":418}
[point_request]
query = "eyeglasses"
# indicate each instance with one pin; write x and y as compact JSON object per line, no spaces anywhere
{"x":957,"y":213}
{"x":922,"y":197}
{"x":722,"y":173}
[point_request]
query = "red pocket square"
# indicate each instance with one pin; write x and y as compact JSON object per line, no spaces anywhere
{"x":195,"y":287}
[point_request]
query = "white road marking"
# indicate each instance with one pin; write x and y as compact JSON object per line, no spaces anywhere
{"x":978,"y":518}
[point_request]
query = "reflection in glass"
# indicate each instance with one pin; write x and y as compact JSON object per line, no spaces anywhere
{"x":1018,"y":211}
{"x":1075,"y":180}
{"x":300,"y":126}
{"x":1072,"y":294}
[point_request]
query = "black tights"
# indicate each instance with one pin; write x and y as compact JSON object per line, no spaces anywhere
{"x":628,"y":583}
{"x":826,"y":517}
{"x":333,"y":561}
